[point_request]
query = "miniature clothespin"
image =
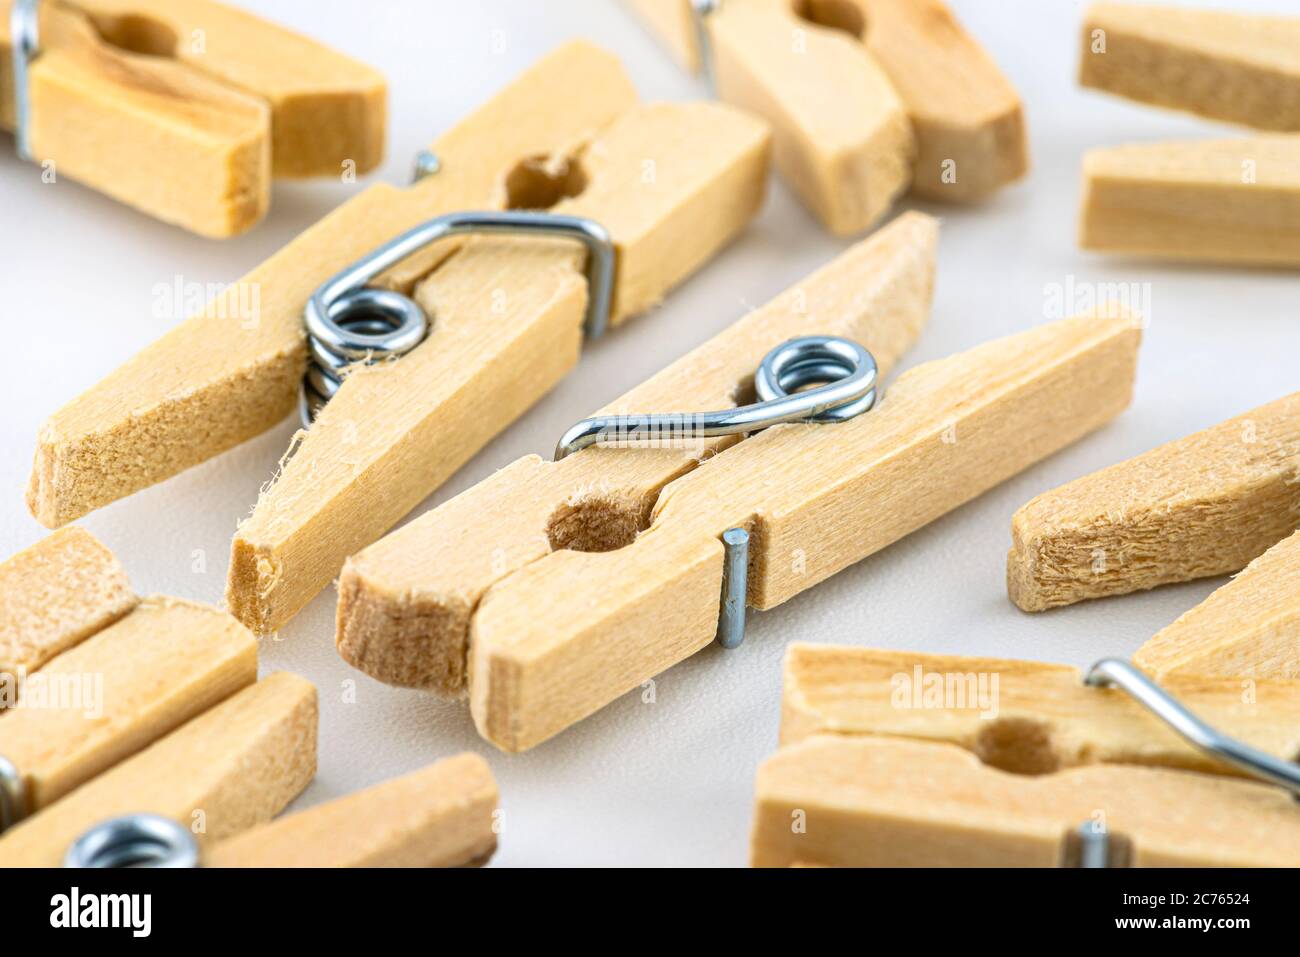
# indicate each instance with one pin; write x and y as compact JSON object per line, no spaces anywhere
{"x":183,"y":109}
{"x":866,"y":97}
{"x":91,"y":674}
{"x":478,"y":331}
{"x":892,"y":758}
{"x":1231,"y":201}
{"x":441,"y":816}
{"x":603,"y":573}
{"x":1209,"y":504}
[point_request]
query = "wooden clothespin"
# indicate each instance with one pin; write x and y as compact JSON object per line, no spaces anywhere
{"x":1229,"y":201}
{"x":56,"y":594}
{"x":441,"y":816}
{"x":1238,"y":67}
{"x":230,"y":768}
{"x":1249,"y":628}
{"x":894,"y":758}
{"x":1204,"y":505}
{"x":865,"y":96}
{"x":90,"y":675}
{"x":665,"y":185}
{"x":406,"y":602}
{"x":583,"y":616}
{"x":183,"y":109}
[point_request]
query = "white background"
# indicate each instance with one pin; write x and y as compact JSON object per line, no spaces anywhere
{"x":668,"y":783}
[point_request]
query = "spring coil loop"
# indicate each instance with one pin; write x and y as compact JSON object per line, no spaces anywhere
{"x":349,"y":322}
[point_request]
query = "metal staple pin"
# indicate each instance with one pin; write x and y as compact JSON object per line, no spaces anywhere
{"x":1209,"y":740}
{"x":24,"y":43}
{"x":12,"y":795}
{"x":838,"y":378}
{"x":701,"y":10}
{"x":135,"y":840}
{"x":427,"y":164}
{"x":349,"y":322}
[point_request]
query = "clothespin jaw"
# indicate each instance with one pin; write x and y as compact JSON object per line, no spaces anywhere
{"x":232,"y":767}
{"x":917,"y":102}
{"x":406,"y":603}
{"x":1207,"y":504}
{"x":442,"y":816}
{"x":898,"y":758}
{"x":137,"y":97}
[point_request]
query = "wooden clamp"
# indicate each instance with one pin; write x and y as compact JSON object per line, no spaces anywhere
{"x":865,"y":97}
{"x":573,"y":624}
{"x":1204,"y":505}
{"x":89,"y":675}
{"x":1248,"y":628}
{"x":1237,"y":67}
{"x":406,"y":602}
{"x":185,"y":108}
{"x":900,"y":758}
{"x":56,"y":594}
{"x":441,"y":816}
{"x":231,"y":768}
{"x":1229,"y":201}
{"x":671,"y":182}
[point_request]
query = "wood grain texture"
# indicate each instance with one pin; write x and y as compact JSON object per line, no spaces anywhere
{"x":1024,"y":717}
{"x":892,"y":802}
{"x":440,"y":816}
{"x":405,"y":602}
{"x":1200,"y":506}
{"x":508,"y":326}
{"x":233,"y":767}
{"x":1228,"y":201}
{"x":840,"y":134}
{"x":1237,"y":67}
{"x":1249,"y":627}
{"x":961,"y":107}
{"x":183,"y":108}
{"x":55,"y":594}
{"x":224,"y":376}
{"x":814,"y":499}
{"x":96,"y":704}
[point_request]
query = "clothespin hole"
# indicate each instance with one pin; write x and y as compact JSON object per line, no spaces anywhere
{"x":1017,"y":745}
{"x":136,"y":33}
{"x":843,"y":15}
{"x":540,"y":182}
{"x":598,"y":523}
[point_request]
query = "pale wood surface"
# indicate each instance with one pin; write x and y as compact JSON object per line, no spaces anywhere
{"x":545,"y":652}
{"x":1237,"y":67}
{"x":440,"y":816}
{"x":133,"y":682}
{"x":231,"y":768}
{"x":960,"y":105}
{"x":405,"y":602}
{"x":1249,"y":627}
{"x":221,"y":378}
{"x":507,"y":327}
{"x":1200,"y":506}
{"x":1025,"y":717}
{"x":841,"y":135}
{"x":55,"y":594}
{"x":895,"y":802}
{"x":183,"y":108}
{"x":1230,"y":201}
